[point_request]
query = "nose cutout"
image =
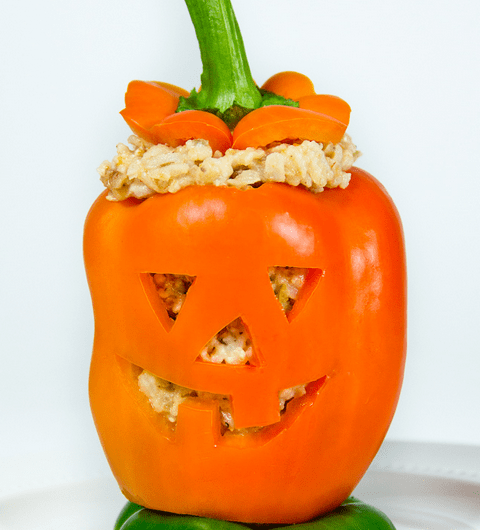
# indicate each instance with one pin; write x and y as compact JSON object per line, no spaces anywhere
{"x":231,"y":345}
{"x":293,"y":286}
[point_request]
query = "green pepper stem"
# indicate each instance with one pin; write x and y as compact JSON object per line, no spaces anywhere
{"x":226,"y":78}
{"x":228,"y":89}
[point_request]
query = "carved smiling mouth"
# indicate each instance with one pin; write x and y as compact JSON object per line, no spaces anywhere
{"x":166,"y":397}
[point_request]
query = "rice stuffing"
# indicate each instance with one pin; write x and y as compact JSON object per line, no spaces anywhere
{"x":147,"y":169}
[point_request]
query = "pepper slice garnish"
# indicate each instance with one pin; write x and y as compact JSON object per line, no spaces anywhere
{"x":285,"y":108}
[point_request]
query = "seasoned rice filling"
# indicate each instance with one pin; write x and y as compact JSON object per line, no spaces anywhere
{"x":147,"y":169}
{"x":231,"y":345}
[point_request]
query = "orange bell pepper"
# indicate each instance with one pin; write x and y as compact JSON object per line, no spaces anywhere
{"x":344,"y":338}
{"x":348,"y":340}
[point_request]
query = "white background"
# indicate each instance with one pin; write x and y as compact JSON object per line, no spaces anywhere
{"x":410,"y":71}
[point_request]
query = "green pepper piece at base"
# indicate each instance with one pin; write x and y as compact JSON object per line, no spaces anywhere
{"x":353,"y":514}
{"x":127,"y":511}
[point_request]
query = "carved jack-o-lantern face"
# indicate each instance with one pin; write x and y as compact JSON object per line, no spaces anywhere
{"x":342,"y":342}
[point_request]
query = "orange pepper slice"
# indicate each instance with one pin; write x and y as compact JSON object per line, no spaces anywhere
{"x":150,"y":111}
{"x":148,"y":103}
{"x":326,"y":104}
{"x":276,"y":123}
{"x":290,"y":85}
{"x":177,"y":128}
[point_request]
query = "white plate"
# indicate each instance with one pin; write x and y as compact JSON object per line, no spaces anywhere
{"x":421,"y":502}
{"x":425,"y":486}
{"x":418,"y":486}
{"x":90,"y":505}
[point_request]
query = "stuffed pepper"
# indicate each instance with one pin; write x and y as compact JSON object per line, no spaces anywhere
{"x":249,"y":294}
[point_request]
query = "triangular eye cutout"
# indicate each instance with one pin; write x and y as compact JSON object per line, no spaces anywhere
{"x":166,"y":293}
{"x":293,"y":286}
{"x":172,"y":290}
{"x":231,"y":345}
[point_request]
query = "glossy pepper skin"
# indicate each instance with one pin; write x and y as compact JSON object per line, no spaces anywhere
{"x":346,"y":335}
{"x":353,"y":514}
